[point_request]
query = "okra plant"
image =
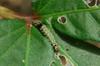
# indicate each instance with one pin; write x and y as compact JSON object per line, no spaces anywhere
{"x":61,"y":33}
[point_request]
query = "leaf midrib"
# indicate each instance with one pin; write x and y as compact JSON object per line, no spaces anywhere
{"x":70,"y":12}
{"x":27,"y":48}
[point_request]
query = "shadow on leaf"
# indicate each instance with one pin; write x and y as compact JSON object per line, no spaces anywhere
{"x":78,"y":43}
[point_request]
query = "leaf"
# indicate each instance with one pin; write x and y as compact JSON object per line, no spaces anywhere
{"x":82,"y":23}
{"x":17,"y":48}
{"x":82,"y":53}
{"x":20,"y":48}
{"x":79,"y":19}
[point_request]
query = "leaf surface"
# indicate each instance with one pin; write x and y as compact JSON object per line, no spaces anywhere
{"x":20,"y":48}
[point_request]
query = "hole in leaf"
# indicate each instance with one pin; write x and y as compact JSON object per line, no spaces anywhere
{"x":62,"y":19}
{"x":63,"y":60}
{"x":93,"y":2}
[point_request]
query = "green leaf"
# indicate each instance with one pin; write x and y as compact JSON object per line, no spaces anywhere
{"x":82,"y":26}
{"x":79,"y":18}
{"x":20,"y":47}
{"x":82,"y":53}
